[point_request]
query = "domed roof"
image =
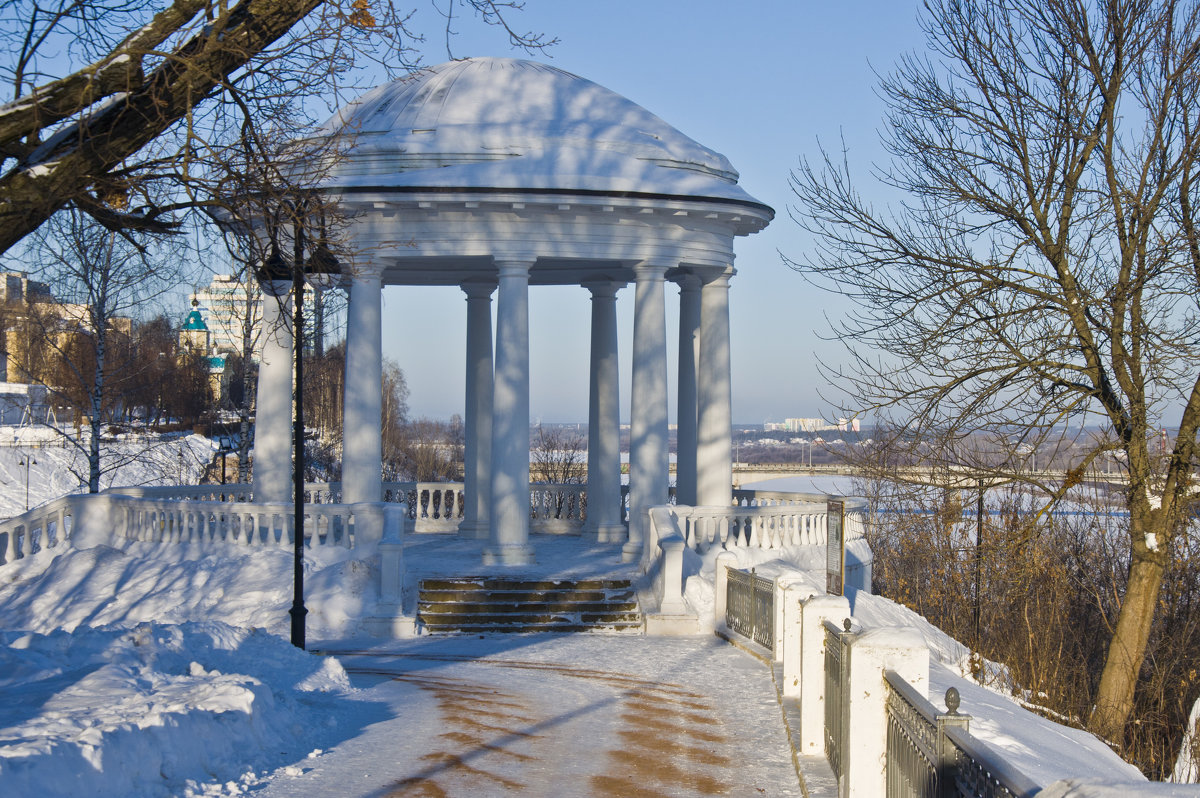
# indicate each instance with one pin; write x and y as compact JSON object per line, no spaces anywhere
{"x":502,"y":123}
{"x":194,"y":322}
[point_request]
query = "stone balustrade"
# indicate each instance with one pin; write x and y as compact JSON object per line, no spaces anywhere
{"x":769,"y":526}
{"x":120,"y":516}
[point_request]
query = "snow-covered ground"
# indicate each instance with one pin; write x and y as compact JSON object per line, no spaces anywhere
{"x":57,"y":469}
{"x":146,"y":670}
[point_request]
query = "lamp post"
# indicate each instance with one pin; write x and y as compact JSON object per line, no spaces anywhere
{"x":321,"y":261}
{"x":27,"y":462}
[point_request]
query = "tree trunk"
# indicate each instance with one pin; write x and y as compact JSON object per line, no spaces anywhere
{"x":97,"y":407}
{"x":1127,"y":650}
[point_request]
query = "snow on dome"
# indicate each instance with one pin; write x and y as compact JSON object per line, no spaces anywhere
{"x":504,"y":123}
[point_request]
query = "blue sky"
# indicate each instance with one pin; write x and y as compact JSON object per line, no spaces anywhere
{"x":760,"y":82}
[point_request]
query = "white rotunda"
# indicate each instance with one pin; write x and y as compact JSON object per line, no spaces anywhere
{"x":494,"y":175}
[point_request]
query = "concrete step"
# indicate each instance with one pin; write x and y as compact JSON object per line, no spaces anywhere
{"x":506,"y":607}
{"x":500,"y":583}
{"x":483,"y":604}
{"x":482,"y":596}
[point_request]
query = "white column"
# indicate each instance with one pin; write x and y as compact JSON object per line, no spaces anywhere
{"x":648,"y":464}
{"x":714,"y":449}
{"x":604,"y":420}
{"x":362,"y":404}
{"x":689,"y":353}
{"x":509,"y":541}
{"x":477,"y":457}
{"x":273,"y":405}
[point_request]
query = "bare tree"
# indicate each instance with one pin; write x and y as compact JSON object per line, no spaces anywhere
{"x":103,"y":279}
{"x":147,"y":91}
{"x":558,"y":456}
{"x":1043,"y":268}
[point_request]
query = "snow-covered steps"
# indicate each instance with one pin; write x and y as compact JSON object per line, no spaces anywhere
{"x":490,"y":604}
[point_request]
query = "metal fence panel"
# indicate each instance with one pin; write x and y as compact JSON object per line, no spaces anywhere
{"x":834,"y":700}
{"x":912,"y":746}
{"x":763,"y":595}
{"x":750,"y":607}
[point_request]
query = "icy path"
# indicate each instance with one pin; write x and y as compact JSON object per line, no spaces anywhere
{"x":555,"y":715}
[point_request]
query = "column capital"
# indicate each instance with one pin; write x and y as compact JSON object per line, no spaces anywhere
{"x":603,"y":288}
{"x":688,"y":281}
{"x":652,"y":269}
{"x":275,"y":288}
{"x":718,"y":275}
{"x":479,"y":289}
{"x":514,"y":265}
{"x":365,"y":272}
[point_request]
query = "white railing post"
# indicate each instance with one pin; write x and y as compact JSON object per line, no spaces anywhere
{"x":795,"y":593}
{"x":813,"y":615}
{"x":726,"y":559}
{"x":671,"y":602}
{"x":94,"y":522}
{"x":391,"y":550}
{"x":789,"y":588}
{"x":900,"y":649}
{"x":368,"y":523}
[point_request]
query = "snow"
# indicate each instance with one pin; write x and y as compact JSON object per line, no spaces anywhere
{"x":833,"y":484}
{"x":150,"y":670}
{"x":442,"y":128}
{"x":1187,"y":765}
{"x":156,"y":709}
{"x":57,"y":470}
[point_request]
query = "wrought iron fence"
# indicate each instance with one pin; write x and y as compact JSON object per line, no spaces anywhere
{"x":837,"y":710}
{"x":750,"y":607}
{"x":932,"y":754}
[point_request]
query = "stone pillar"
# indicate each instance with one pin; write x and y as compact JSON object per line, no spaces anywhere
{"x":714,"y":450}
{"x":477,"y":455}
{"x":648,"y":464}
{"x":362,"y":403}
{"x":689,"y":353}
{"x":273,"y":411}
{"x":899,"y":649}
{"x":604,"y":420}
{"x":509,"y":541}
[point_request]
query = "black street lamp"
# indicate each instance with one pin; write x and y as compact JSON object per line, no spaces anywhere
{"x":275,"y":268}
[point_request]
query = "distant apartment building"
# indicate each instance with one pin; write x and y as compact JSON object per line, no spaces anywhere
{"x":33,"y":321}
{"x":225,"y":305}
{"x":812,"y":425}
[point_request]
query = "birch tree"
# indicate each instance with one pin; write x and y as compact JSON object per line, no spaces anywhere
{"x":102,"y":280}
{"x":1043,"y":265}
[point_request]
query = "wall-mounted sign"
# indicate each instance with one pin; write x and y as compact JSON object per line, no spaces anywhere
{"x":835,"y":556}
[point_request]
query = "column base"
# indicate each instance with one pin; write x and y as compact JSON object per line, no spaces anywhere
{"x":516,"y":554}
{"x":631,"y":551}
{"x":607,"y":533}
{"x":474,"y":530}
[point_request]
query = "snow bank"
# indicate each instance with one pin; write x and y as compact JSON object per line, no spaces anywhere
{"x":1075,"y":788}
{"x":1043,"y":750}
{"x":1187,"y":765}
{"x":67,"y":588}
{"x":56,"y":470}
{"x":156,"y":709}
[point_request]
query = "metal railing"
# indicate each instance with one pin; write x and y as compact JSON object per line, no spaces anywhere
{"x":932,"y":754}
{"x":837,"y":708}
{"x":750,"y":607}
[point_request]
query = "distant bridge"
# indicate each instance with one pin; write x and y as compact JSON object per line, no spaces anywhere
{"x":925,"y":475}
